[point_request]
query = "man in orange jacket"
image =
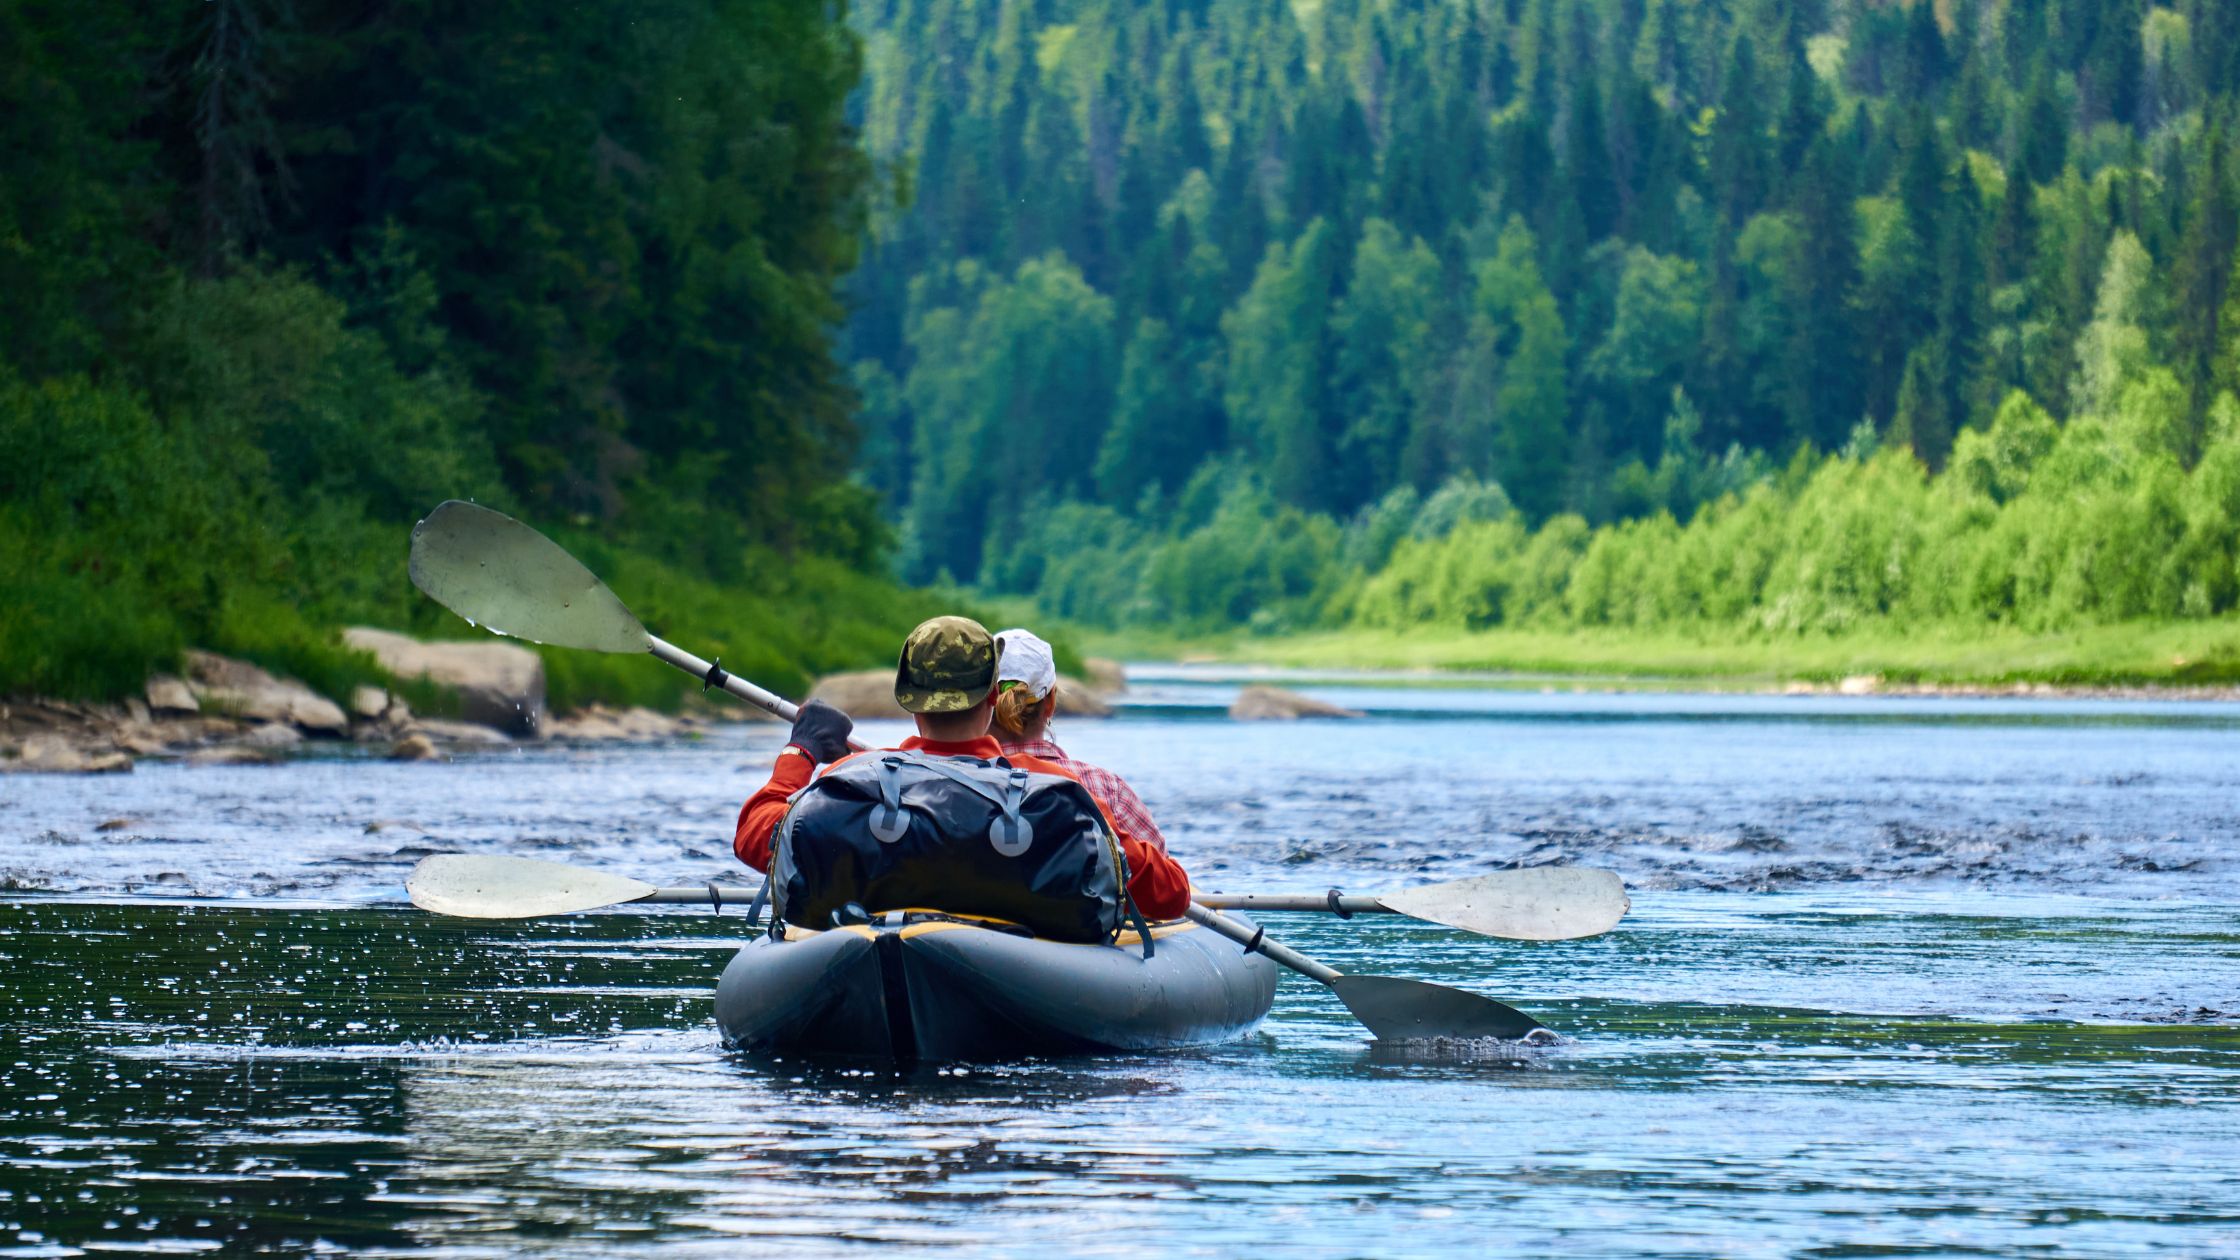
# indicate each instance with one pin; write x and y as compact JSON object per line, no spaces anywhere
{"x":946,"y":677}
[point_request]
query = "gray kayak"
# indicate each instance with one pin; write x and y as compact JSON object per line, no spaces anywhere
{"x":937,"y":989}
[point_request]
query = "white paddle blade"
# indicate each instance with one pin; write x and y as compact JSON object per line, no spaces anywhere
{"x":505,"y":577}
{"x":1536,"y":903}
{"x":470,"y":887}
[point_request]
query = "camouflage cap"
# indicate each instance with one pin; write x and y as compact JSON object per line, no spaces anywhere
{"x":948,"y":665}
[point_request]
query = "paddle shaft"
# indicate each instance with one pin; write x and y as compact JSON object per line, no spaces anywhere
{"x":1254,"y":938}
{"x":733,"y":895}
{"x":1346,"y":906}
{"x":709,"y":673}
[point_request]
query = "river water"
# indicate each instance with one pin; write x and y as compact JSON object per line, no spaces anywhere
{"x":1902,"y":977}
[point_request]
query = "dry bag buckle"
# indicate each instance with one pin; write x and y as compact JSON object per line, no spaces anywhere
{"x":888,"y":822}
{"x":1010,"y":832}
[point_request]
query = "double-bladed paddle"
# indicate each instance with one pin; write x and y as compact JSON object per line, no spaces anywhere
{"x":477,"y":886}
{"x":505,"y":577}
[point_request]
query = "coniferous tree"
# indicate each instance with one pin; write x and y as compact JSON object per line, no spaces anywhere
{"x":2200,"y":272}
{"x":1381,"y":340}
{"x":1530,"y":404}
{"x":1822,"y":406}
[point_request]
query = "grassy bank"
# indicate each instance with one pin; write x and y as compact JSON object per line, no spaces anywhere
{"x":780,"y":621}
{"x":2151,"y":654}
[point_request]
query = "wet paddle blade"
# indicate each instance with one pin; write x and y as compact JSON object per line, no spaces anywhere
{"x":1411,"y":1010}
{"x":1538,"y":903}
{"x":505,"y":577}
{"x":472,"y":887}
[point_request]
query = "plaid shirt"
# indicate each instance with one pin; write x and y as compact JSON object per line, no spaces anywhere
{"x":1110,"y":789}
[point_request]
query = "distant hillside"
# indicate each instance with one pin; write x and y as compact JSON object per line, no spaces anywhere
{"x":1616,"y":257}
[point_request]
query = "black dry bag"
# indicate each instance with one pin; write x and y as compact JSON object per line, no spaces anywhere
{"x":910,"y":830}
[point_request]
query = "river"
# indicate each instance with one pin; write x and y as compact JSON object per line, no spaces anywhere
{"x":1903,"y":976}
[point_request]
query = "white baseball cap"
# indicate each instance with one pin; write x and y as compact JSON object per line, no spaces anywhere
{"x":1025,"y":659}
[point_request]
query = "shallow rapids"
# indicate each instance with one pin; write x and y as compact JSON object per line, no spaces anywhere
{"x":1902,"y":975}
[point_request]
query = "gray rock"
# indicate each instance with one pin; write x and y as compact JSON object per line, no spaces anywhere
{"x":271,"y":735}
{"x":369,"y":703}
{"x":499,"y":685}
{"x":233,"y":755}
{"x":411,"y":748}
{"x":51,"y":754}
{"x":242,"y":690}
{"x":142,"y":744}
{"x":1107,"y":676}
{"x":598,"y":722}
{"x":1273,"y":704}
{"x":167,"y":694}
{"x":867,"y":693}
{"x":1078,"y":699}
{"x":460,"y":733}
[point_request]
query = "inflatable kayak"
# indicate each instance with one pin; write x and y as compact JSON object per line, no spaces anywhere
{"x":936,"y":987}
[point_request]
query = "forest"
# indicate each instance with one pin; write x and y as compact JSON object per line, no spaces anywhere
{"x":281,"y":275}
{"x":1754,"y":319}
{"x":1773,"y":317}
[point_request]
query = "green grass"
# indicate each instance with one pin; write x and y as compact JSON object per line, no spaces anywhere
{"x":98,"y":635}
{"x":2191,"y":653}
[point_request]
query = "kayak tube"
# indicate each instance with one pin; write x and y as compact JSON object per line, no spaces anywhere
{"x":936,"y":989}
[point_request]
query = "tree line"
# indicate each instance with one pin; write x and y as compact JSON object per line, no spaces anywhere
{"x":283,"y":274}
{"x":1225,"y":294}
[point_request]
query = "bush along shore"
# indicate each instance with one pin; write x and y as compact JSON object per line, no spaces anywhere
{"x":2100,"y":551}
{"x":2145,"y":661}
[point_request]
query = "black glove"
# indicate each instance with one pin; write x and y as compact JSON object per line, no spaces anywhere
{"x":821,"y":731}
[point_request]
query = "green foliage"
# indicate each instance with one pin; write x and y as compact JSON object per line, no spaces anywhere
{"x":1518,"y":316}
{"x":2043,"y":527}
{"x":1276,"y":367}
{"x":281,"y":277}
{"x":1002,"y":358}
{"x":2034,"y":525}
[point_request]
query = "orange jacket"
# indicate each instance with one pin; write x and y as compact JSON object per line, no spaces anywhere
{"x":1156,"y":882}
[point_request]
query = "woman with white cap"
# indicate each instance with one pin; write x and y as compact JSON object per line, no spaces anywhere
{"x":1026,"y":699}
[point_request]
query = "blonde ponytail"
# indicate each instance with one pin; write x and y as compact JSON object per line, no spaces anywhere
{"x":1019,"y":714}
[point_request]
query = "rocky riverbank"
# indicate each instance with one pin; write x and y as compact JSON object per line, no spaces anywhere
{"x":221,"y":711}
